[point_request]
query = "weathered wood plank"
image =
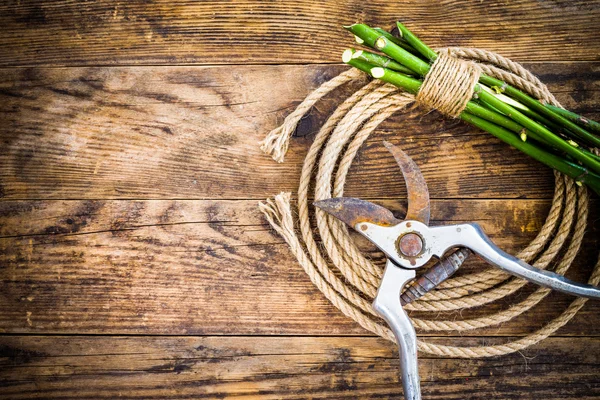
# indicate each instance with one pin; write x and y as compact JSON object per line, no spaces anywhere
{"x":210,"y":267}
{"x":193,"y":132}
{"x":283,"y":367}
{"x":251,"y":31}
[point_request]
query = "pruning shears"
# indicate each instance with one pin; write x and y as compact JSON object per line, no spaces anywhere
{"x":411,"y":243}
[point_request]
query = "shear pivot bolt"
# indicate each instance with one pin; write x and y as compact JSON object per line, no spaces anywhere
{"x":410,"y":245}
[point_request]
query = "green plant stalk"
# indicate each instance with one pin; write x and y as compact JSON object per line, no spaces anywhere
{"x":532,"y":103}
{"x":414,"y":41}
{"x":533,"y":126}
{"x":489,"y":117}
{"x":495,"y":116}
{"x":398,"y":41}
{"x":595,"y":156}
{"x":576,"y":118}
{"x":416,"y":64}
{"x":360,"y":64}
{"x":381,"y":61}
{"x":407,"y":83}
{"x":575,"y":171}
{"x":549,"y":124}
{"x":373,"y":38}
{"x":376,"y":40}
{"x":509,"y":90}
{"x":505,"y":122}
{"x":504,"y":98}
{"x":498,"y":118}
{"x":556,"y":129}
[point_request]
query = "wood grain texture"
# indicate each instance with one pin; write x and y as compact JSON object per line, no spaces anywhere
{"x":128,"y":191}
{"x":282,"y":32}
{"x":193,"y":132}
{"x":212,"y":267}
{"x":283,"y":368}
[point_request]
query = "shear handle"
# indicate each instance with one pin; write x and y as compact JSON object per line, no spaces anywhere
{"x":387,"y":305}
{"x":472,"y":237}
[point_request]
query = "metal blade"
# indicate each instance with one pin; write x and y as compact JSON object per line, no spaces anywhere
{"x":418,"y":194}
{"x":353,"y":211}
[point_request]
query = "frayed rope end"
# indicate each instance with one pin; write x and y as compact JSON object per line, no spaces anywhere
{"x":278,"y":212}
{"x":276,"y":143}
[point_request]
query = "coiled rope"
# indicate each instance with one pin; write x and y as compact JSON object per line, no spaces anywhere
{"x":349,"y":280}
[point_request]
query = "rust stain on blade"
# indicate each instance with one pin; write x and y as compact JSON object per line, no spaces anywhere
{"x":418,"y":194}
{"x":353,"y":211}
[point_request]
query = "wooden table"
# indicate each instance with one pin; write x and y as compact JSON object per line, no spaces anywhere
{"x":133,"y":259}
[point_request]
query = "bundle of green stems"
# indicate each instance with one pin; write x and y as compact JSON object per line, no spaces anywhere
{"x":556,"y":137}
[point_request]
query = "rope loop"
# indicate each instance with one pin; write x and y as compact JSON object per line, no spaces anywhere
{"x":347,"y":278}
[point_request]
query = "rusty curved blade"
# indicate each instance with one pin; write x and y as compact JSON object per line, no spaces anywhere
{"x":418,"y":194}
{"x":353,"y":211}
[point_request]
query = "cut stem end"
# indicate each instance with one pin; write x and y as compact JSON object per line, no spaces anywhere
{"x":377,"y":72}
{"x":347,"y":55}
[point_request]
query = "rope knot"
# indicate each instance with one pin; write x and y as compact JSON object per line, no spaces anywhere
{"x":449,"y":85}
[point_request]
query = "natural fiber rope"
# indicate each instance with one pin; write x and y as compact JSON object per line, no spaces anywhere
{"x":448,"y":86}
{"x":347,"y":278}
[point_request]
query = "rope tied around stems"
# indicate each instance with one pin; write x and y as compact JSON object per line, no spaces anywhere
{"x":348,"y":279}
{"x":449,"y":85}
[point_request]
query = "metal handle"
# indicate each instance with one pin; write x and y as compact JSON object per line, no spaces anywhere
{"x":387,"y":305}
{"x":472,"y":237}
